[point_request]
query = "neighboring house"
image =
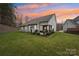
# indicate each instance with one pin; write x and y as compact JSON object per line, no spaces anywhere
{"x":71,"y":25}
{"x":42,"y":25}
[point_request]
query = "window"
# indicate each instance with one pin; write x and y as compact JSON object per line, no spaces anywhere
{"x":77,"y":22}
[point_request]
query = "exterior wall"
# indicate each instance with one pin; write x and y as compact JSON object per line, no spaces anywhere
{"x":47,"y":27}
{"x":37,"y":26}
{"x":41,"y":28}
{"x":67,"y":25}
{"x":52,"y":22}
{"x":32,"y":28}
{"x":26,"y":28}
{"x":22,"y":29}
{"x":29,"y":27}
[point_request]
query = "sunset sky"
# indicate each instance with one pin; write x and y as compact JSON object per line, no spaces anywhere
{"x":63,"y":11}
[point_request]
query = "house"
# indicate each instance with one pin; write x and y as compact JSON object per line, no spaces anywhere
{"x":42,"y":25}
{"x":71,"y":25}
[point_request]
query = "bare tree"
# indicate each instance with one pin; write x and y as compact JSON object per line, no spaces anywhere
{"x":7,"y":16}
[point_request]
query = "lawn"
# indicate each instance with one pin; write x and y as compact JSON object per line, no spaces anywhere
{"x":24,"y":44}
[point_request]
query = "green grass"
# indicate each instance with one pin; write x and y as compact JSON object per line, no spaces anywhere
{"x":24,"y":44}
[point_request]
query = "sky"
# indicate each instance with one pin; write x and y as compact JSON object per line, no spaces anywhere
{"x":63,"y":11}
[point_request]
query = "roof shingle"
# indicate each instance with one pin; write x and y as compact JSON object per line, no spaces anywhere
{"x":40,"y":19}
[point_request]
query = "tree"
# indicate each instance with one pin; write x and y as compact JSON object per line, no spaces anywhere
{"x":7,"y":16}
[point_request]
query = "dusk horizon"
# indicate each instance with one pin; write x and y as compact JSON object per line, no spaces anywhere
{"x":63,"y":11}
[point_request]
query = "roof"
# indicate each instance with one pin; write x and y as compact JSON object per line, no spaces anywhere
{"x":68,"y":20}
{"x":40,"y":19}
{"x":74,"y":21}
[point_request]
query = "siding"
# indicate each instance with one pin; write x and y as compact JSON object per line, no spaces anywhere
{"x":37,"y":26}
{"x":67,"y":25}
{"x":26,"y":28}
{"x":34,"y":27}
{"x":52,"y":22}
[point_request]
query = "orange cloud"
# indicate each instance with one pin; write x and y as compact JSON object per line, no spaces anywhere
{"x":62,"y":14}
{"x":58,"y":12}
{"x":63,"y":18}
{"x":66,"y":11}
{"x":47,"y":12}
{"x":33,"y":6}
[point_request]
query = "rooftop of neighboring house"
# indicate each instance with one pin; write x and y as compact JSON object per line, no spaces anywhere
{"x":68,"y":20}
{"x":75,"y":21}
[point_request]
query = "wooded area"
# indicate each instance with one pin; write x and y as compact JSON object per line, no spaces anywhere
{"x":7,"y":16}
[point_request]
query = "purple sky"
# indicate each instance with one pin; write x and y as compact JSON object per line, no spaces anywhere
{"x":63,"y":11}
